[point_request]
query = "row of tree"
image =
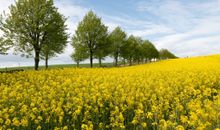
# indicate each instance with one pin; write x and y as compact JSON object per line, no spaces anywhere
{"x":92,"y":40}
{"x":36,"y":29}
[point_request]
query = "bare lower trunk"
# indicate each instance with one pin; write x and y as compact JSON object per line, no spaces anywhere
{"x":77,"y":64}
{"x":130,"y":61}
{"x":116,"y":61}
{"x":91,"y":59}
{"x":100,"y":62}
{"x":37,"y":59}
{"x":46,"y":61}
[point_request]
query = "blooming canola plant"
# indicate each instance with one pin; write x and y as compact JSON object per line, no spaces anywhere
{"x":170,"y":94}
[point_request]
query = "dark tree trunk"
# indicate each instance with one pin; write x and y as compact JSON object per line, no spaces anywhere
{"x":116,"y":61}
{"x":77,"y":64}
{"x":100,"y":62}
{"x":91,"y":59}
{"x":130,"y":61}
{"x":146,"y":60}
{"x":46,"y":61}
{"x":124,"y":61}
{"x":37,"y":59}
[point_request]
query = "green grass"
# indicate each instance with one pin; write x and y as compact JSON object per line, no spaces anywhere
{"x":57,"y":66}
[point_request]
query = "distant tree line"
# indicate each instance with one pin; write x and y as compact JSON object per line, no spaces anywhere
{"x":92,"y":40}
{"x":36,"y":29}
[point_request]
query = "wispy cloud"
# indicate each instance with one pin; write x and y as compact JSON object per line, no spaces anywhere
{"x":195,"y":25}
{"x":72,"y":11}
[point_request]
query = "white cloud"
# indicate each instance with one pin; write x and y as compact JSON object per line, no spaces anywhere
{"x":73,"y":12}
{"x":69,"y":9}
{"x":4,"y":4}
{"x":152,"y":30}
{"x":194,"y":25}
{"x":203,"y":38}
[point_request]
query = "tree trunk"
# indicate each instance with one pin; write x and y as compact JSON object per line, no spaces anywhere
{"x":46,"y":61}
{"x":146,"y":60}
{"x":130,"y":62}
{"x":77,"y":64}
{"x":116,"y":61}
{"x":100,"y":62}
{"x":91,"y":59}
{"x":37,"y":59}
{"x":124,"y":61}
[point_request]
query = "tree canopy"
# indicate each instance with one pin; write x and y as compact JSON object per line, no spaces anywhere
{"x":165,"y":54}
{"x":117,"y":37}
{"x":3,"y":47}
{"x":80,"y":52}
{"x":91,"y":34}
{"x":150,"y":51}
{"x":31,"y":24}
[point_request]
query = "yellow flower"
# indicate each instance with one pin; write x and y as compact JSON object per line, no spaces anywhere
{"x":38,"y":127}
{"x":183,"y":119}
{"x":40,"y":118}
{"x":144,"y":125}
{"x":1,"y":121}
{"x":24,"y":122}
{"x":56,"y":128}
{"x":7,"y":122}
{"x":84,"y":126}
{"x":134,"y":121}
{"x":160,"y":95}
{"x":179,"y":127}
{"x":65,"y":128}
{"x":16,"y":122}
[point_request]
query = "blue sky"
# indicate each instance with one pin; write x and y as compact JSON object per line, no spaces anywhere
{"x":186,"y":27}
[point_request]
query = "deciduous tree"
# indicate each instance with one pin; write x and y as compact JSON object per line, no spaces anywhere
{"x":80,"y":53}
{"x":29,"y":24}
{"x":117,"y":37}
{"x":90,"y":34}
{"x":166,"y":54}
{"x":149,"y":51}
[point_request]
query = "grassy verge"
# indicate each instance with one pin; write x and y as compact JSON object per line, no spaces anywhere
{"x":57,"y":66}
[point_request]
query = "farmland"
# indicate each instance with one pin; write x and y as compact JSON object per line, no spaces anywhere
{"x":170,"y":94}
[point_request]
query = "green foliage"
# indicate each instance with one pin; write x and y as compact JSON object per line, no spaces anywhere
{"x":91,"y":34}
{"x":117,"y":37}
{"x":56,"y":41}
{"x":129,"y":48}
{"x":150,"y":51}
{"x":3,"y":47}
{"x":30,"y":26}
{"x":165,"y":54}
{"x":138,"y":50}
{"x":79,"y":56}
{"x":80,"y":53}
{"x":103,"y":50}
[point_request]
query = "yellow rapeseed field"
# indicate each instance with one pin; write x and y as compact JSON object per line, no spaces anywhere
{"x":173,"y":94}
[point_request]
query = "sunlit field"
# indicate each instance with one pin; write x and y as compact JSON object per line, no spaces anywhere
{"x":172,"y":94}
